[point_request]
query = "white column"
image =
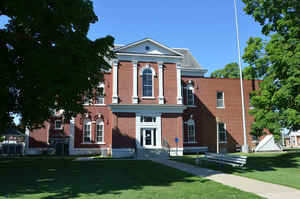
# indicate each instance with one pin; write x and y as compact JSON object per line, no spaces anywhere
{"x":115,"y":82}
{"x":72,"y":133}
{"x":160,"y":82}
{"x":179,"y":97}
{"x":134,"y":89}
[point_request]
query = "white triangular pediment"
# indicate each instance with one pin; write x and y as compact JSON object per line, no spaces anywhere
{"x":147,"y":46}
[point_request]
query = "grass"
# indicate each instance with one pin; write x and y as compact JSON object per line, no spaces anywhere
{"x":58,"y":178}
{"x":278,"y":168}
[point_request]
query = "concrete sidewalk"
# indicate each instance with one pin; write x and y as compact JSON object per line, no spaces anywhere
{"x":264,"y":189}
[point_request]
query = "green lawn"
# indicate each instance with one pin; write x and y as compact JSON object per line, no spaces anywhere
{"x":278,"y":168}
{"x":58,"y":178}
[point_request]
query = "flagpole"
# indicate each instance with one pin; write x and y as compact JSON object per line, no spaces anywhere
{"x":245,"y":146}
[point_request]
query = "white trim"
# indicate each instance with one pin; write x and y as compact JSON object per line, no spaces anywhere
{"x":115,"y":98}
{"x":87,"y":121}
{"x":141,"y":108}
{"x":99,"y":121}
{"x":193,"y":72}
{"x":134,"y":84}
{"x":190,"y":87}
{"x":149,"y":55}
{"x":150,"y":40}
{"x":220,"y":99}
{"x":72,"y":133}
{"x":178,"y":71}
{"x":152,"y":125}
{"x":149,"y":59}
{"x":148,"y":97}
{"x":160,"y":82}
{"x":61,"y":126}
{"x":101,"y":85}
{"x":190,"y":122}
{"x":142,"y":74}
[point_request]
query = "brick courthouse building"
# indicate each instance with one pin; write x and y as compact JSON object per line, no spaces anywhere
{"x":154,"y":98}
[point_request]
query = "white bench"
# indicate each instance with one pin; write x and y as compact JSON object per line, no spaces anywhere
{"x":233,"y":160}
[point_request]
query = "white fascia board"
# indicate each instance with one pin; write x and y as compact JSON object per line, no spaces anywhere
{"x":150,"y":40}
{"x":147,"y":108}
{"x":138,"y":58}
{"x":193,"y":72}
{"x":150,"y":55}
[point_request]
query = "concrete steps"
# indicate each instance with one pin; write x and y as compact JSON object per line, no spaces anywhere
{"x":144,"y":154}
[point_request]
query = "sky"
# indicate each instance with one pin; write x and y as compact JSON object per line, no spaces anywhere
{"x":206,"y":27}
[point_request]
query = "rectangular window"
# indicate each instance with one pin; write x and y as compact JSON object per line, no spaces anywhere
{"x":148,"y":119}
{"x":99,"y":133}
{"x":190,"y":97}
{"x":191,"y":134}
{"x":100,"y":95}
{"x":87,"y":132}
{"x":220,"y":99}
{"x":58,"y":124}
{"x":222,"y":132}
{"x":87,"y":100}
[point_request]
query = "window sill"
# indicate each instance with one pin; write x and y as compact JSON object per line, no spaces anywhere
{"x":222,"y":142}
{"x":87,"y":143}
{"x":221,"y":107}
{"x":58,"y":128}
{"x":100,"y":143}
{"x":148,"y":97}
{"x":99,"y":104}
{"x":190,"y":143}
{"x":192,"y":106}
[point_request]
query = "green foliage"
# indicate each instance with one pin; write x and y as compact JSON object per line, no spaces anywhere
{"x":47,"y":61}
{"x":277,"y":103}
{"x":231,"y":70}
{"x":254,"y":56}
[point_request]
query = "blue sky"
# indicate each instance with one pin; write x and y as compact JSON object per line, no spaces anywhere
{"x":206,"y":27}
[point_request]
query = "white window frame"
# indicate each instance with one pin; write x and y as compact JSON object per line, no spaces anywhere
{"x":61,"y":126}
{"x":190,"y":87}
{"x":223,"y":99}
{"x":85,"y":101}
{"x":225,"y":133}
{"x":101,"y":85}
{"x":190,"y":122}
{"x":153,"y":74}
{"x":99,"y":122}
{"x":87,"y":122}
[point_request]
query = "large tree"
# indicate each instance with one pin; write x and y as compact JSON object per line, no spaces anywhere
{"x":277,"y":102}
{"x":231,"y":70}
{"x":47,"y":61}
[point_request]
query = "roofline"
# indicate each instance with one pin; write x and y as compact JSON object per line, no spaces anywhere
{"x":150,"y":55}
{"x":151,"y":40}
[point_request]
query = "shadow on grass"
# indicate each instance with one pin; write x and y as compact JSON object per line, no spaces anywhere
{"x":255,"y":162}
{"x":63,"y":178}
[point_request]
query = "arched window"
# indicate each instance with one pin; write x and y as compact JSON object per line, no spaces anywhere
{"x":147,"y":74}
{"x":99,"y":131}
{"x":87,"y":130}
{"x":190,"y":137}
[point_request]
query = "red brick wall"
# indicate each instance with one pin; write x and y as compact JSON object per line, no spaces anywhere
{"x":93,"y":111}
{"x":123,"y":132}
{"x":170,"y":83}
{"x":171,"y":126}
{"x":125,"y":82}
{"x":38,"y":138}
{"x":205,"y":90}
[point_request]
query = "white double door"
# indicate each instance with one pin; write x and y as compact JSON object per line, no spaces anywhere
{"x":149,"y":137}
